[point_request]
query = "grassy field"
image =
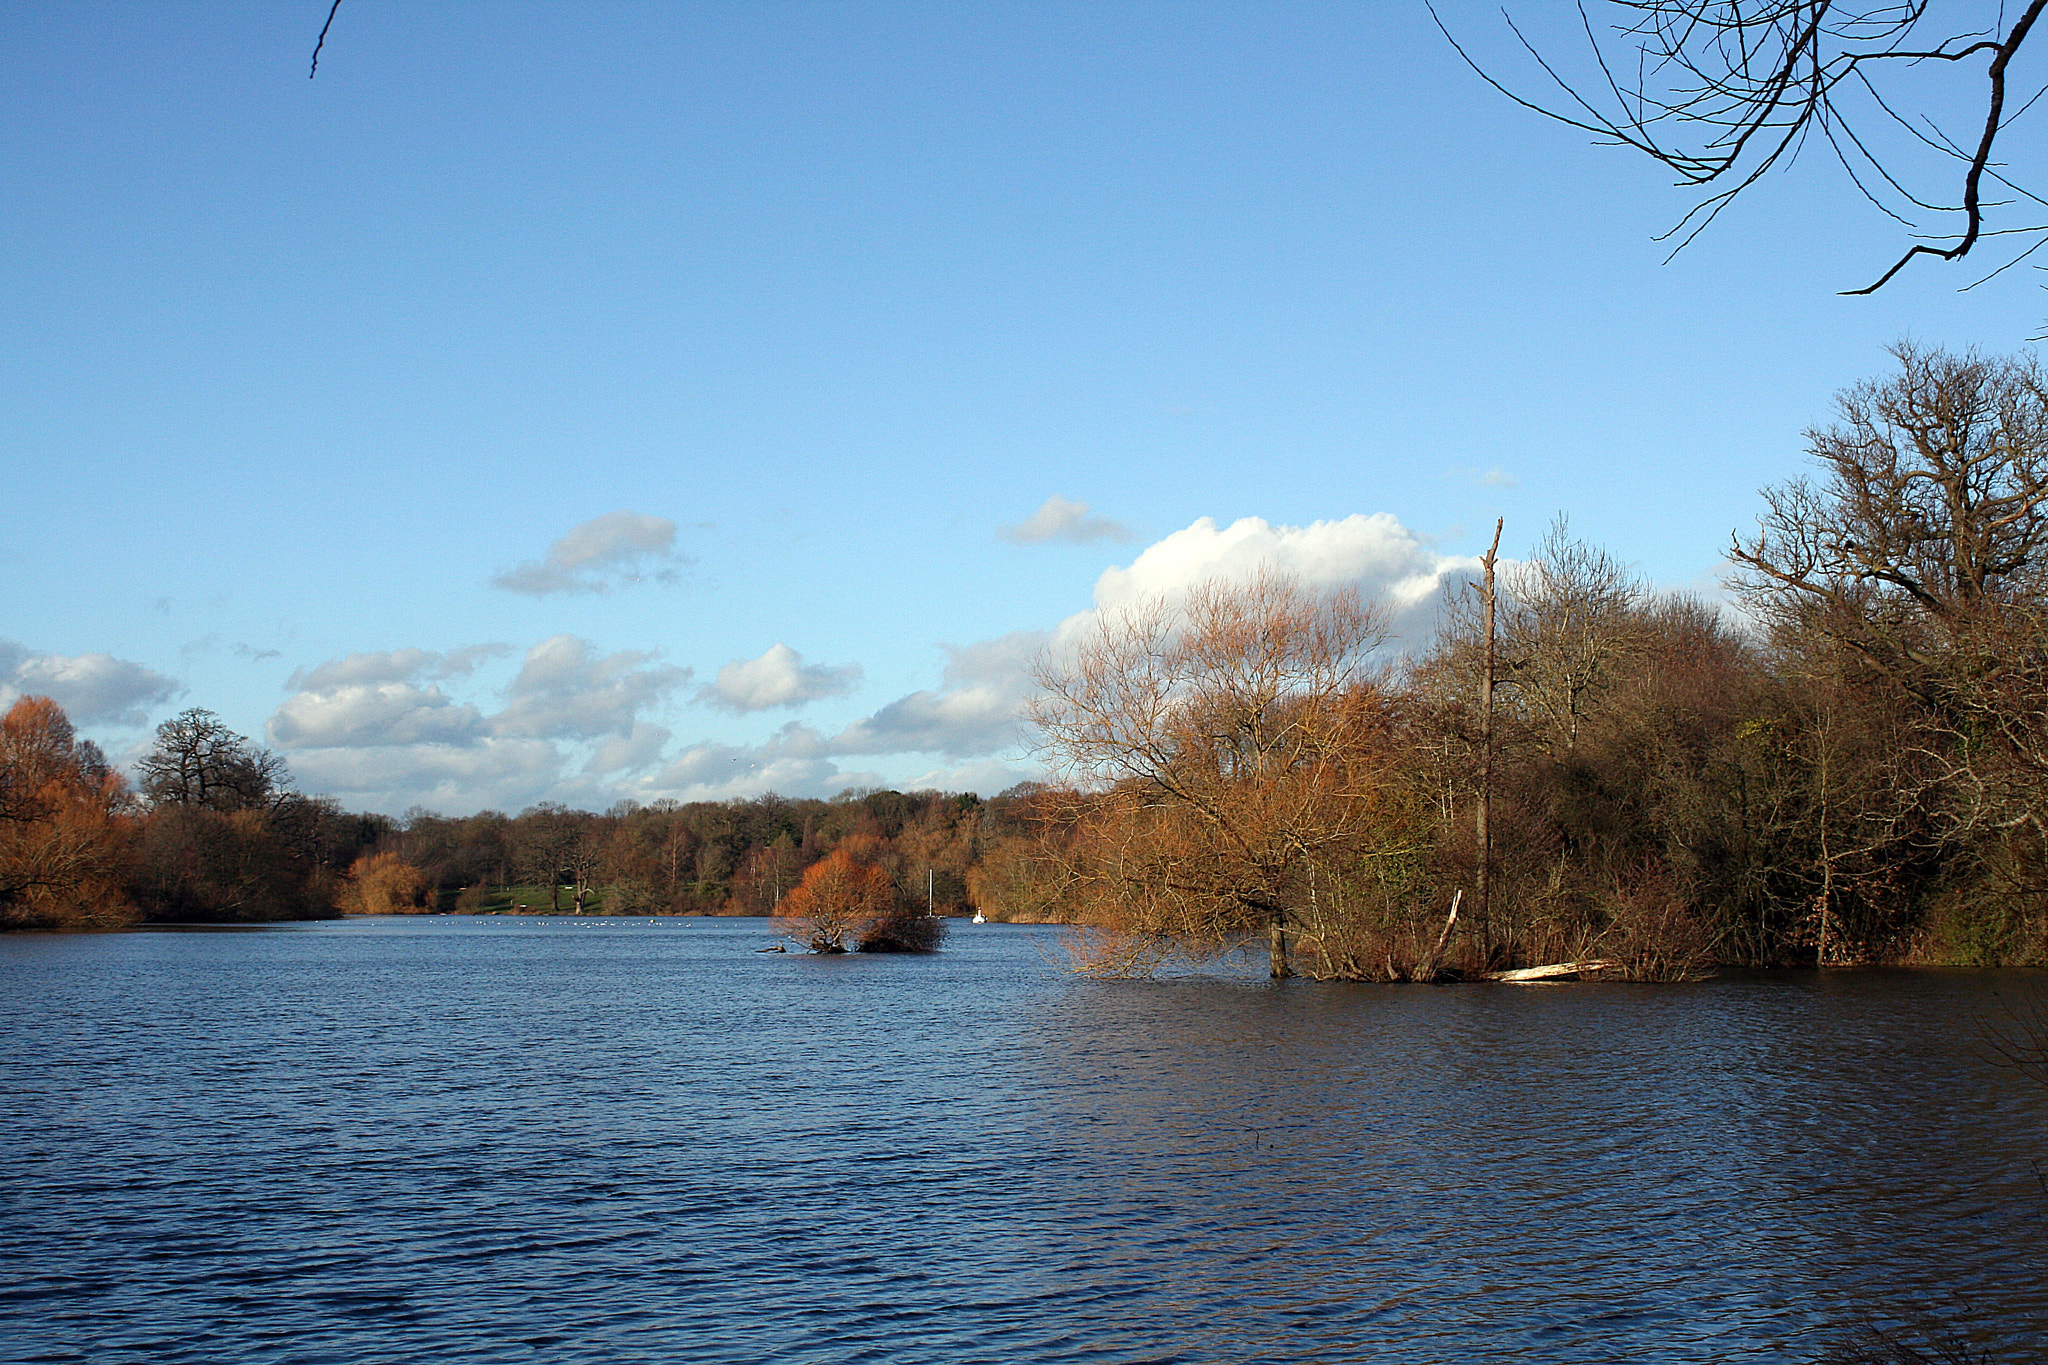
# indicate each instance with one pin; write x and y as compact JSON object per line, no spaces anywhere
{"x":527,"y":900}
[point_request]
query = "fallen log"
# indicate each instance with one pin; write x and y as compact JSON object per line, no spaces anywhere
{"x":1554,"y":971}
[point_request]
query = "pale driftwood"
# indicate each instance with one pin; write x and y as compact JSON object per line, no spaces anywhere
{"x":1547,"y":973}
{"x":1445,"y":936}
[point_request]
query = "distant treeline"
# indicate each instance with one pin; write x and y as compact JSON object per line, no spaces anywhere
{"x":217,"y":834}
{"x":699,"y":857}
{"x":1576,"y":769}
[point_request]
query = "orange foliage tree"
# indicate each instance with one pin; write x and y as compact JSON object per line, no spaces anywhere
{"x":384,"y":884}
{"x":838,"y":899}
{"x":1235,"y":775}
{"x":64,"y":826}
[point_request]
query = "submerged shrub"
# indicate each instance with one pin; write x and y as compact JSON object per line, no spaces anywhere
{"x":901,"y":931}
{"x":837,"y":898}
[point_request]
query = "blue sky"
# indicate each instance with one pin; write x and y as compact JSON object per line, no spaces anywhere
{"x":583,"y":402}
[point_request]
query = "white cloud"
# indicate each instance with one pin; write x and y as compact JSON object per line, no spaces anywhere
{"x":631,"y":752}
{"x":574,"y":724}
{"x":366,"y":715}
{"x":985,"y":775}
{"x":565,"y":690}
{"x":1060,"y":519}
{"x":397,"y":665}
{"x":1376,"y":554}
{"x":974,"y":711}
{"x":376,"y":699}
{"x":794,"y":762}
{"x":501,"y":773}
{"x":372,"y":728}
{"x":93,"y":689}
{"x":779,"y":678}
{"x":1496,"y":477}
{"x":600,"y":554}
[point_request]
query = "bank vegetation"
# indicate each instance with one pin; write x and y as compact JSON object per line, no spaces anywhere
{"x":1847,"y":766}
{"x":1580,"y":770}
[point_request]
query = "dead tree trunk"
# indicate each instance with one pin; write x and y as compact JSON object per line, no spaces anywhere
{"x":1482,"y":883}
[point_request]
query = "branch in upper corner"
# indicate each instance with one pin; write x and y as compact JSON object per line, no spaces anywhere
{"x":323,"y":40}
{"x":1724,"y":91}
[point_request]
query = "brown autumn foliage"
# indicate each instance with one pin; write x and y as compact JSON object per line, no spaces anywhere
{"x":1018,"y":876}
{"x":200,"y":866}
{"x":384,"y":884}
{"x":835,"y":901}
{"x":65,"y":827}
{"x":1232,"y":761}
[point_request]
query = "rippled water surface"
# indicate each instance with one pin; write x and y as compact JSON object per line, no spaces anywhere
{"x":561,"y":1140}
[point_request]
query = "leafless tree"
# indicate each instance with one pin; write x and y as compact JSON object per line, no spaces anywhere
{"x":197,"y":761}
{"x":1924,"y":552}
{"x":1722,"y":92}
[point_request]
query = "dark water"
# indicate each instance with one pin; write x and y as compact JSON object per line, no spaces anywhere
{"x":525,"y":1140}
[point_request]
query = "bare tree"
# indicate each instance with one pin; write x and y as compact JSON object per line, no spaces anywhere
{"x":1571,"y":625}
{"x":1722,"y":92}
{"x":550,"y":842}
{"x":840,"y":897}
{"x":1924,"y":552}
{"x":1489,"y":672}
{"x":197,"y":761}
{"x":1932,"y":521}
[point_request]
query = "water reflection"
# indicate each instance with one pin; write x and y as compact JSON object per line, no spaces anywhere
{"x":520,"y":1139}
{"x":1714,"y":1169}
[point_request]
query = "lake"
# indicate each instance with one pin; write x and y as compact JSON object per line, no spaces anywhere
{"x":500,"y":1139}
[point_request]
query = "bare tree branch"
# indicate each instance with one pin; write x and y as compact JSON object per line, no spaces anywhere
{"x":1725,"y":91}
{"x":323,"y":40}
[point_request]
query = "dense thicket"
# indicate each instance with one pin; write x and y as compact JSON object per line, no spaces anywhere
{"x":1851,"y":771}
{"x":65,"y":825}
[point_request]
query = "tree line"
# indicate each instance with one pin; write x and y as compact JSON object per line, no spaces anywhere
{"x":1574,"y":769}
{"x":212,"y":830}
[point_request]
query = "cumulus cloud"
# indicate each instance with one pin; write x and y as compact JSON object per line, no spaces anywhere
{"x":368,"y":714}
{"x":1062,"y":520}
{"x":574,"y":724}
{"x":379,"y":728}
{"x":779,"y":678}
{"x":976,"y":712}
{"x":639,"y":748}
{"x":566,"y":690}
{"x":93,"y":689}
{"x":396,"y":665}
{"x":985,"y":775}
{"x":600,"y":554}
{"x":795,"y":761}
{"x":381,"y":698}
{"x":454,"y":779}
{"x":973,"y":712}
{"x":1376,"y":554}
